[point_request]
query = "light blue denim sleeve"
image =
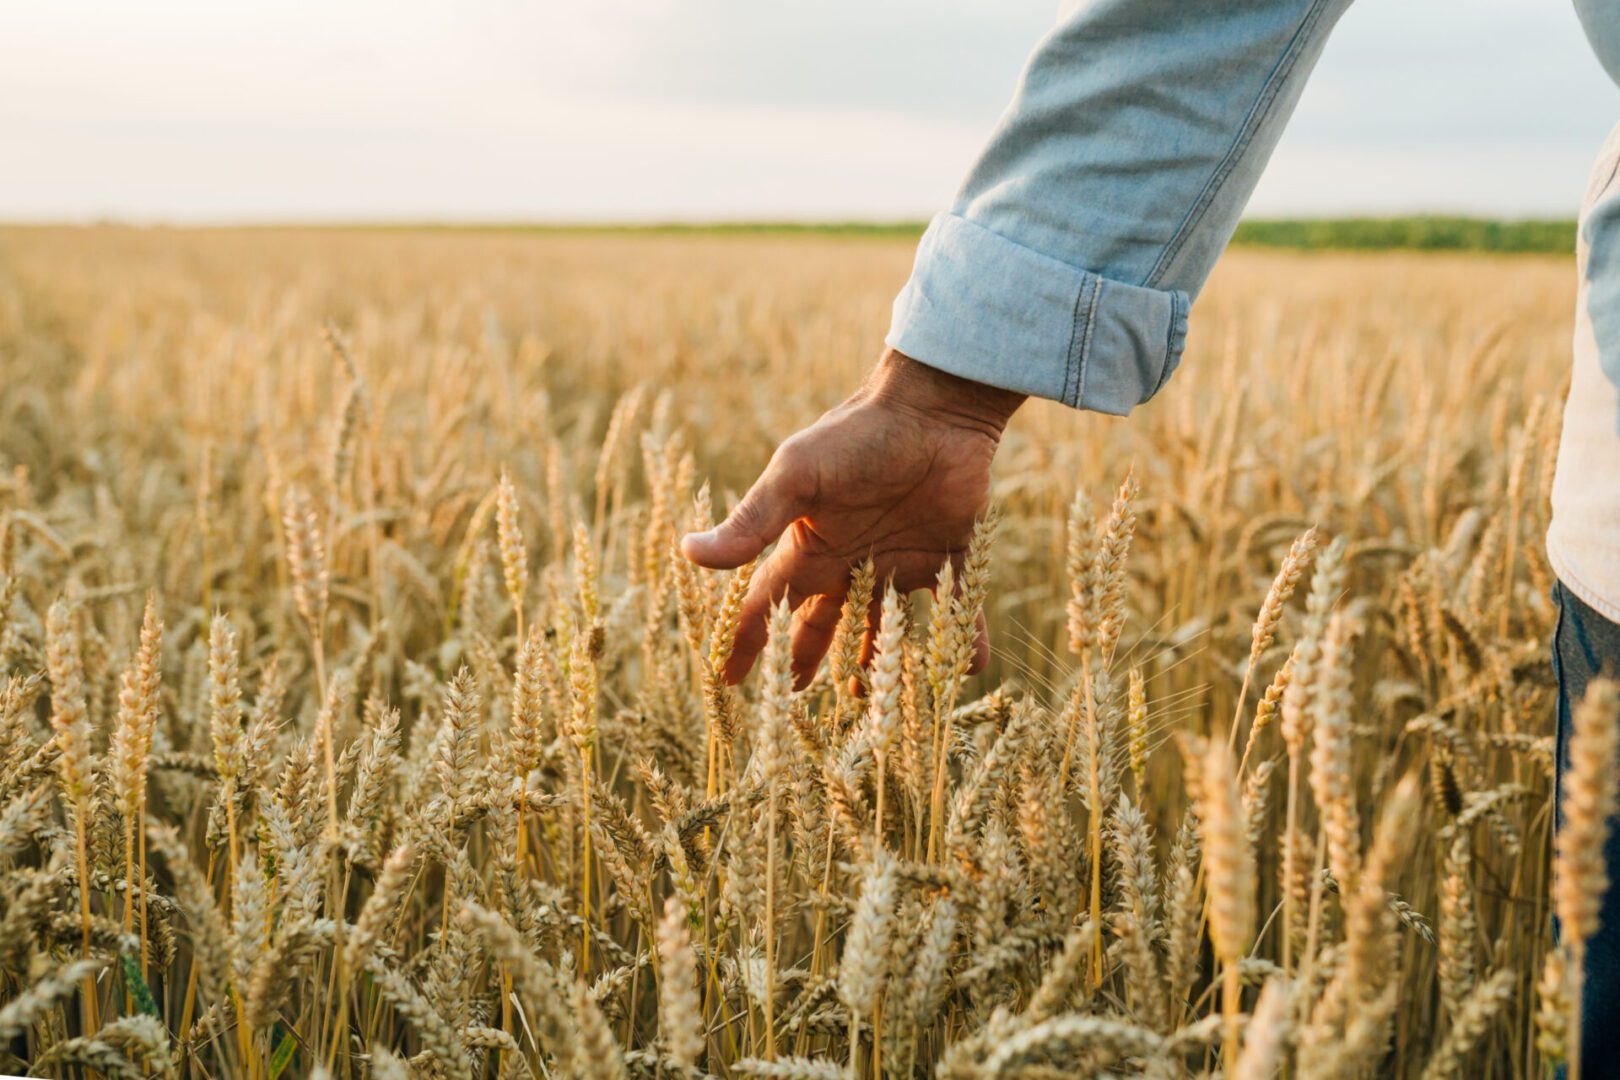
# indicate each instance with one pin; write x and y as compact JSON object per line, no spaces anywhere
{"x":1066,"y":266}
{"x":1601,"y":18}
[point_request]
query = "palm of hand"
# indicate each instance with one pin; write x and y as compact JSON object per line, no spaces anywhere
{"x":871,"y":479}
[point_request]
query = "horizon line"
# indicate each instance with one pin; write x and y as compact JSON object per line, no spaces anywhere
{"x":681,"y":224}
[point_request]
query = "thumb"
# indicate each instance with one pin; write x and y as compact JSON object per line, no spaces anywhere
{"x":771,"y":505}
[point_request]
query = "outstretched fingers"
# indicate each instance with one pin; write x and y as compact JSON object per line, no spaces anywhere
{"x":765,"y":590}
{"x":789,"y":573}
{"x":814,"y":626}
{"x":814,"y":587}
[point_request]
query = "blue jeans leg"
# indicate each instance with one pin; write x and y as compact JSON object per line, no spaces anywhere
{"x":1586,"y":645}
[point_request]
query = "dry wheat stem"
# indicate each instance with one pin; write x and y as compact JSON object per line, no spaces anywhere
{"x":905,"y":880}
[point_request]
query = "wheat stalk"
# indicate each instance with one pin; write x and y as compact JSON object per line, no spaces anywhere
{"x":1580,"y":874}
{"x":1230,"y":866}
{"x":421,"y":800}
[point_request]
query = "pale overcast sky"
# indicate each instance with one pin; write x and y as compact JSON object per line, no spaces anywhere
{"x":173,"y":110}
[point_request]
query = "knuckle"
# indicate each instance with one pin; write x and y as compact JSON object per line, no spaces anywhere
{"x":747,"y":515}
{"x":793,"y":465}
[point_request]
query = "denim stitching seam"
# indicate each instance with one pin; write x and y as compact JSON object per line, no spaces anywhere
{"x":1071,"y":357}
{"x":1258,"y":112}
{"x":1178,"y":315}
{"x":1085,"y":344}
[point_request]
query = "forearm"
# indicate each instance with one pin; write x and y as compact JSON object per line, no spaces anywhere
{"x":1066,"y":265}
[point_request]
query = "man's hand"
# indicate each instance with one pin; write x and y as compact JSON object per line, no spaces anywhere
{"x":899,"y":473}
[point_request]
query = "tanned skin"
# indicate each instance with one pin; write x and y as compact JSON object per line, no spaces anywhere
{"x":898,"y":473}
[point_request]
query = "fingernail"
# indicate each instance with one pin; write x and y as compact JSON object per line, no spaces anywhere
{"x":698,"y":537}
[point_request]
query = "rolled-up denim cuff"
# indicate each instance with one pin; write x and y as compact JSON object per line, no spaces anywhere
{"x":983,"y":307}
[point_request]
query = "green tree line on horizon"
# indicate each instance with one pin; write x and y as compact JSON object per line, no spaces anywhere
{"x":1419,"y":232}
{"x":1415,"y":232}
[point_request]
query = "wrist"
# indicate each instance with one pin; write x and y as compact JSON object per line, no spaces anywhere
{"x":910,"y":384}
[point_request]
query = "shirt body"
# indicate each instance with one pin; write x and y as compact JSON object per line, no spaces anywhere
{"x":1583,"y":540}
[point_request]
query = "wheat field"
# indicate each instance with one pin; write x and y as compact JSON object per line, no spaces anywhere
{"x":359,"y":718}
